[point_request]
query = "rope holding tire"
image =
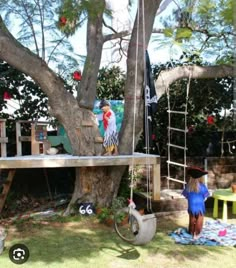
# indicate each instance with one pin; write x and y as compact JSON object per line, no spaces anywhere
{"x":135,"y":228}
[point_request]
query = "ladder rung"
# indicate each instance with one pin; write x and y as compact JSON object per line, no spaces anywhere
{"x":172,"y":179}
{"x":177,"y":112}
{"x":175,"y":163}
{"x":177,"y":146}
{"x":178,"y":129}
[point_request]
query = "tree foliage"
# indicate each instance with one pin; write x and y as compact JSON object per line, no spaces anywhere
{"x":208,"y":97}
{"x":37,"y":28}
{"x":201,"y":27}
{"x":110,"y":83}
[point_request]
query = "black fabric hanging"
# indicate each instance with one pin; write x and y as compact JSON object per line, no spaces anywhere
{"x":150,"y":106}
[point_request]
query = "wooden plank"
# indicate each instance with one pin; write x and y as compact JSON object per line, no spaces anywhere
{"x":6,"y":188}
{"x":18,"y":141}
{"x":24,"y":138}
{"x":47,"y":161}
{"x":3,"y":140}
{"x":98,"y":140}
{"x":34,"y":143}
{"x":86,"y":123}
{"x":3,"y":136}
{"x":31,"y":122}
{"x":156,"y":182}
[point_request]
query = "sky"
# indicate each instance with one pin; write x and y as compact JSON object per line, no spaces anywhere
{"x":123,"y":19}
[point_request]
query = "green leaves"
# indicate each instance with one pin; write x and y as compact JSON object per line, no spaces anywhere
{"x":110,"y":83}
{"x":228,"y":12}
{"x":205,"y":6}
{"x":183,"y":33}
{"x":168,"y":32}
{"x":204,"y":25}
{"x":76,"y":12}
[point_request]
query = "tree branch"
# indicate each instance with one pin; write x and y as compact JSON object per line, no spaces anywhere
{"x":115,"y":34}
{"x":168,"y":77}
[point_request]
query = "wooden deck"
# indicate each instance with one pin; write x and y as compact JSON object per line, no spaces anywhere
{"x":66,"y":160}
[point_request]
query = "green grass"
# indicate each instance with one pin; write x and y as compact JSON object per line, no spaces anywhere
{"x":76,"y":243}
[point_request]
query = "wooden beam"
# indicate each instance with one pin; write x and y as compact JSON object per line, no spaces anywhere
{"x":34,"y":143}
{"x":98,"y":140}
{"x":3,"y":140}
{"x":18,"y":141}
{"x":3,"y":136}
{"x":87,"y":123}
{"x":6,"y":188}
{"x":63,"y":160}
{"x":24,"y":138}
{"x":156,"y":182}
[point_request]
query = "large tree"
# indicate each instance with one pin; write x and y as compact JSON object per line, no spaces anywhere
{"x":98,"y":185}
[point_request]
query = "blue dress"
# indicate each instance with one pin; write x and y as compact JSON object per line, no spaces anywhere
{"x":196,"y":200}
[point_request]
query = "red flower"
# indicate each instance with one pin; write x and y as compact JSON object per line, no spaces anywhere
{"x":153,"y":137}
{"x":210,"y":120}
{"x":6,"y":95}
{"x":77,"y":75}
{"x":63,"y":21}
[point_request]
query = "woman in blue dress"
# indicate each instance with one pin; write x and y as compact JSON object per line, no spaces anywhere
{"x":196,"y":193}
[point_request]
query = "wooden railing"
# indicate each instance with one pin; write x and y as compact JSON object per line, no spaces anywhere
{"x":3,"y":138}
{"x":39,"y":144}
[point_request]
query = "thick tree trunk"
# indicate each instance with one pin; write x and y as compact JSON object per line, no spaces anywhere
{"x":98,"y":185}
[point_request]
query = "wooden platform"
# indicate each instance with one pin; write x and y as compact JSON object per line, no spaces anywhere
{"x":66,"y":160}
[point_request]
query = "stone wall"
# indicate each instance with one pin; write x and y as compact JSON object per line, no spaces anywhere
{"x":221,"y":171}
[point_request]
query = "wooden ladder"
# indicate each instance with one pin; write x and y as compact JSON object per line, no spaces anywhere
{"x":6,"y":187}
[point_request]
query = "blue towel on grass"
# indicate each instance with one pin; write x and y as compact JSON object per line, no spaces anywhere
{"x":210,"y":235}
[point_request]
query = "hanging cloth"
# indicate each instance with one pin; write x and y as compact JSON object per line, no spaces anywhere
{"x":150,"y":105}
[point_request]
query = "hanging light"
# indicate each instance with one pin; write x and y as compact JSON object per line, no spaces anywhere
{"x":77,"y":75}
{"x":6,"y":95}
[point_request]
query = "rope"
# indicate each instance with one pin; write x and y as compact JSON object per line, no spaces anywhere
{"x":134,"y":109}
{"x":185,"y":131}
{"x":147,"y":130}
{"x":168,"y":133}
{"x":185,"y":120}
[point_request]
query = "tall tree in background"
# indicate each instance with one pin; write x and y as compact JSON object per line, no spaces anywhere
{"x":98,"y":185}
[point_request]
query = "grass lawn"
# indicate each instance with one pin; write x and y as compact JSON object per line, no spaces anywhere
{"x":86,"y":243}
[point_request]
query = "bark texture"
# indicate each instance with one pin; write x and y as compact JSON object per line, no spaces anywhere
{"x":168,"y":77}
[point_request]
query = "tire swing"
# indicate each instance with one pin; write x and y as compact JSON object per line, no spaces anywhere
{"x":129,"y":224}
{"x":135,"y":229}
